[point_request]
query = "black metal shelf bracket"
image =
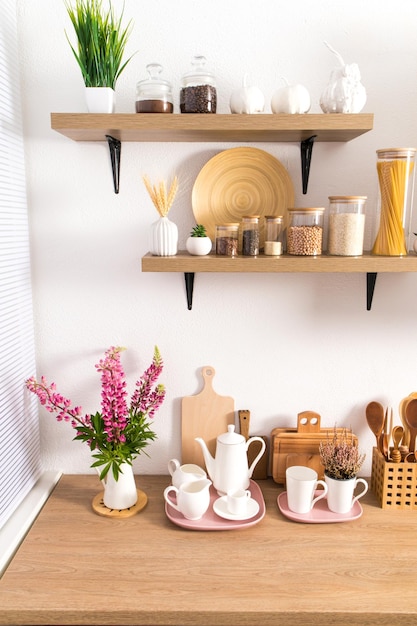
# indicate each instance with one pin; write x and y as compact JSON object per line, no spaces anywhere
{"x":115,"y":148}
{"x":370,"y":287}
{"x":189,"y":286}
{"x":306,"y":153}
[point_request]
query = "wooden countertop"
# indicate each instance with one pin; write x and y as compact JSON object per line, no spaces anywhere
{"x":76,"y":567}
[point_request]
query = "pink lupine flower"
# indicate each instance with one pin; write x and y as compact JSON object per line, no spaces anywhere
{"x":120,"y":432}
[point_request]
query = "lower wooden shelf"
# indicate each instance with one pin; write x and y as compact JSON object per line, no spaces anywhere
{"x":367,"y":264}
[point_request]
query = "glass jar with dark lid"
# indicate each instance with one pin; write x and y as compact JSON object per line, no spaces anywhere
{"x":154,"y":94}
{"x":198,"y":89}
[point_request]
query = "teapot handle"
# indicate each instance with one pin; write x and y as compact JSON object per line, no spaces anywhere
{"x":258,"y":456}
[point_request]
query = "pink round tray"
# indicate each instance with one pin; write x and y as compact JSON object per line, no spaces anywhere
{"x":211,"y":521}
{"x":319,"y":514}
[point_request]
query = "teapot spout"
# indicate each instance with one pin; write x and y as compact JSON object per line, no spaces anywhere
{"x":208,"y":459}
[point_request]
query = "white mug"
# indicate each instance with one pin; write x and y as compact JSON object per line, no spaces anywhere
{"x":340,"y":493}
{"x":184,"y":473}
{"x":301,"y":483}
{"x":237,"y":501}
{"x":193,"y":498}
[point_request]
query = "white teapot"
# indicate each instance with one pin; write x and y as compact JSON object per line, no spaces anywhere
{"x":229,"y":469}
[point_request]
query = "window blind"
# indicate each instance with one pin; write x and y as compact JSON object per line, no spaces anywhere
{"x":19,"y":430}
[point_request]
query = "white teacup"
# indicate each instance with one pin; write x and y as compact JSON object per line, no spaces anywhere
{"x":184,"y":473}
{"x":193,"y":498}
{"x":340,"y":493}
{"x":237,"y":501}
{"x":301,"y":483}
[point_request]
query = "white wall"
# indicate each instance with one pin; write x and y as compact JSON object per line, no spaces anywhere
{"x":280,"y":344}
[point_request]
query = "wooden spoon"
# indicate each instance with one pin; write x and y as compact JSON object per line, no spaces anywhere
{"x":375,"y":417}
{"x":397,"y":435}
{"x":411,"y":420}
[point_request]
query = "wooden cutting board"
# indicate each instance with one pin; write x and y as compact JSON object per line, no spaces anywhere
{"x":206,"y":415}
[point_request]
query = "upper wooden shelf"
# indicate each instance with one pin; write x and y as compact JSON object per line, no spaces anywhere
{"x":218,"y":127}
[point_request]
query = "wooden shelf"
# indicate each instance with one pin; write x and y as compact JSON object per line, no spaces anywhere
{"x":218,"y":127}
{"x":184,"y":262}
{"x":367,"y":264}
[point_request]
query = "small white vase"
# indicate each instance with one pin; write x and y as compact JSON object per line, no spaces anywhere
{"x":340,"y":493}
{"x":198,"y":246}
{"x":100,"y":99}
{"x":164,"y":237}
{"x":121,"y":493}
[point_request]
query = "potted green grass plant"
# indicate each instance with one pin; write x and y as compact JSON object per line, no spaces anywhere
{"x":100,"y":48}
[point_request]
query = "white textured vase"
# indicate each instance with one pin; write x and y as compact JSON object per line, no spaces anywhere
{"x":164,"y":238}
{"x":121,"y":493}
{"x":100,"y":99}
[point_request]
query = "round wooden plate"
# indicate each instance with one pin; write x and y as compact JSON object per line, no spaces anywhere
{"x":100,"y":508}
{"x":238,"y":182}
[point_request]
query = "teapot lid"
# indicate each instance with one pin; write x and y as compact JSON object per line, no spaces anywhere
{"x":230,"y":437}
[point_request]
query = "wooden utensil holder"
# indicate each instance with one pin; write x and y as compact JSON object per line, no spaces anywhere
{"x":394,"y":484}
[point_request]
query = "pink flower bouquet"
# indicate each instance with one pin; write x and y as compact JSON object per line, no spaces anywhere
{"x":120,"y":431}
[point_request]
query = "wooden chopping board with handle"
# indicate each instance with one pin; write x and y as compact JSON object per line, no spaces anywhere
{"x":206,"y":415}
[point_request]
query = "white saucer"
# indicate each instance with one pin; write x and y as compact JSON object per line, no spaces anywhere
{"x":220,"y":508}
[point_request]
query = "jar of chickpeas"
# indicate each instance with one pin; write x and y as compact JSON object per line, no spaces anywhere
{"x":305,"y":231}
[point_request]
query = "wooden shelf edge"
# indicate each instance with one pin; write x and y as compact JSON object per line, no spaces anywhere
{"x":219,"y":127}
{"x":183,"y":262}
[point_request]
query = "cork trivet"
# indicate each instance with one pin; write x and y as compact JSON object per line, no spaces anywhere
{"x":101,"y":509}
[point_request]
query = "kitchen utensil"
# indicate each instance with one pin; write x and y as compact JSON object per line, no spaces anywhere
{"x":401,"y":409}
{"x":260,"y":471}
{"x":397,"y":435}
{"x":229,"y":468}
{"x":375,"y":417}
{"x":411,"y":420}
{"x":386,"y":433}
{"x":205,"y":415}
{"x":241,"y":181}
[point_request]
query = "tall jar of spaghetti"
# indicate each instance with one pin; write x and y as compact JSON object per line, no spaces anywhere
{"x":395,"y":167}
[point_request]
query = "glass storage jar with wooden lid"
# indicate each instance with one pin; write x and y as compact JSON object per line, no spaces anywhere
{"x":305,"y":231}
{"x":273,"y":244}
{"x":396,"y":173}
{"x":346,"y":225}
{"x":250,"y":235}
{"x":227,"y":239}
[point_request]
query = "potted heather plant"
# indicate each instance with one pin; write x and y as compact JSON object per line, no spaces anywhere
{"x":101,"y":42}
{"x":198,"y":243}
{"x":120,"y":431}
{"x":342,"y":460}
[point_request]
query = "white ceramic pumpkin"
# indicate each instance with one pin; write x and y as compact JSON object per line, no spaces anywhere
{"x":247,"y":99}
{"x":291,"y":99}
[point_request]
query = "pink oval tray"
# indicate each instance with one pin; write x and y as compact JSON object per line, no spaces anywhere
{"x":211,"y":521}
{"x":320,"y":513}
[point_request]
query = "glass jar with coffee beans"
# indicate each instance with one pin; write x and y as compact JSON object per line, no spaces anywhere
{"x":154,"y":94}
{"x":198,"y":92}
{"x":305,"y":231}
{"x":227,"y":239}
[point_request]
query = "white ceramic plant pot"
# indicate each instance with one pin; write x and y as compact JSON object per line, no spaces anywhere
{"x":100,"y":99}
{"x":198,"y":246}
{"x":164,"y":238}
